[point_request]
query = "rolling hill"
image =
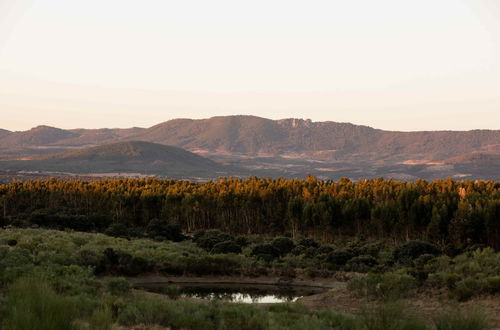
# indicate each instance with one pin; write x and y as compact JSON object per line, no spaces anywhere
{"x":318,"y":140}
{"x":134,"y":157}
{"x":288,"y":147}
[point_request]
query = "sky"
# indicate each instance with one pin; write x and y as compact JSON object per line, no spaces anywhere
{"x":391,"y":64}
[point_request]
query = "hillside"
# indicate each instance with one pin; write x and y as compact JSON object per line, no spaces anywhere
{"x":4,"y":132}
{"x":287,"y":147}
{"x":43,"y":136}
{"x":318,"y":140}
{"x":123,"y":157}
{"x":37,"y":136}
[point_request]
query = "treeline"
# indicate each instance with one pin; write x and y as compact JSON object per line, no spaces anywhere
{"x":457,"y":213}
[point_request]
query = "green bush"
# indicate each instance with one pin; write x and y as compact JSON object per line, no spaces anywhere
{"x":163,"y":230}
{"x":463,"y":320}
{"x":118,"y":230}
{"x":265,"y":252}
{"x":283,"y":244}
{"x":493,"y":284}
{"x":339,"y":257}
{"x":308,"y":242}
{"x":226,"y":247}
{"x":101,"y":319}
{"x":389,"y":317}
{"x":384,"y":286}
{"x":32,"y":304}
{"x":119,"y":286}
{"x":208,"y":239}
{"x":361,"y":264}
{"x":415,"y":249}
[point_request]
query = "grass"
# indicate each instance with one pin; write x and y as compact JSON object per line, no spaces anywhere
{"x":33,"y":305}
{"x":463,"y":320}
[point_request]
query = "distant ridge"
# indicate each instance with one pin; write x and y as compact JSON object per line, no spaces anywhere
{"x":123,"y":157}
{"x":319,"y":140}
{"x":289,"y":147}
{"x":4,"y":132}
{"x":37,"y":136}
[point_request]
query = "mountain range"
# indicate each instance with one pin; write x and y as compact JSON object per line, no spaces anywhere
{"x":250,"y":145}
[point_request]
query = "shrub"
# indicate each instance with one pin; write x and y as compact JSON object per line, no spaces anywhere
{"x":118,"y":230}
{"x":389,"y":317}
{"x":119,"y":286}
{"x":91,"y":259}
{"x":172,"y":291}
{"x":308,"y":242}
{"x":163,"y":230}
{"x":283,"y":244}
{"x":298,"y":250}
{"x":226,"y":247}
{"x":384,"y":286}
{"x":101,"y":319}
{"x":463,"y":320}
{"x":324,"y":249}
{"x":242,"y":241}
{"x":266,"y":252}
{"x":339,"y":257}
{"x":414,"y":249}
{"x":132,"y":266}
{"x":468,"y":287}
{"x":32,"y":304}
{"x":493,"y":284}
{"x":372,"y":249}
{"x":208,"y":239}
{"x":361,"y":263}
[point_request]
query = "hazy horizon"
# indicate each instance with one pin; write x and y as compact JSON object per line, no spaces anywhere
{"x":205,"y":118}
{"x":392,"y":65}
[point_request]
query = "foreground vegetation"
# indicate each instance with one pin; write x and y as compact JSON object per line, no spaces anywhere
{"x":49,"y":280}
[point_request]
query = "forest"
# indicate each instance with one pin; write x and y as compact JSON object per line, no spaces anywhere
{"x":451,"y":214}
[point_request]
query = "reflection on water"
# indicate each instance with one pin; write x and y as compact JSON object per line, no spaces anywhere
{"x":244,"y":298}
{"x":239,"y":293}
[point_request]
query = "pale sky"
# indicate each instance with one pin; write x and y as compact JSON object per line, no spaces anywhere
{"x":390,"y":64}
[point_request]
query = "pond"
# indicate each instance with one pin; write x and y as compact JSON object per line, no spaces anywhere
{"x":233,"y":292}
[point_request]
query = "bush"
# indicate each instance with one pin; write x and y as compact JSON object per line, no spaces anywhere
{"x":163,"y":230}
{"x":389,"y":317}
{"x":308,"y":242}
{"x":463,"y":320}
{"x":361,"y":264}
{"x":123,"y":263}
{"x":32,"y":304}
{"x":339,"y":257}
{"x":414,"y":249}
{"x":468,"y":287}
{"x":384,"y":286}
{"x":101,"y":319}
{"x":298,"y":250}
{"x":266,"y":252}
{"x":208,"y":239}
{"x":118,"y":230}
{"x":226,"y":247}
{"x":283,"y":244}
{"x":242,"y":241}
{"x":119,"y":286}
{"x":324,"y":249}
{"x":493,"y":284}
